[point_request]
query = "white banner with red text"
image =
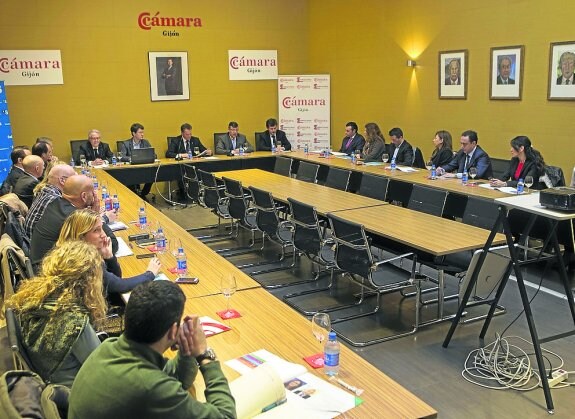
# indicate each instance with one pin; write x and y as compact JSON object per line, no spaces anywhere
{"x":30,"y":67}
{"x":304,"y":110}
{"x":253,"y":64}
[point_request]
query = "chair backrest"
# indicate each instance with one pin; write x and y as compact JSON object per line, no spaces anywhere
{"x":307,"y":236}
{"x":283,"y":166}
{"x":216,"y":135}
{"x":191,"y":182}
{"x":481,"y":213}
{"x":555,"y":175}
{"x":75,"y":149}
{"x":428,"y":200}
{"x":237,"y":203}
{"x":418,"y":160}
{"x":120,"y":146}
{"x":267,"y":219}
{"x":399,"y":191}
{"x":210,"y":188}
{"x":256,"y":139}
{"x":352,"y":252}
{"x":307,"y":171}
{"x":19,"y":353}
{"x":499,"y":166}
{"x":373,"y":186}
{"x":338,"y":178}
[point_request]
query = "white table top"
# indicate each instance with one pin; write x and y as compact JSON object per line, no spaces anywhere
{"x":530,"y":203}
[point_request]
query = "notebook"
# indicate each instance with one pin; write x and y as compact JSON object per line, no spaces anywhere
{"x":143,"y":155}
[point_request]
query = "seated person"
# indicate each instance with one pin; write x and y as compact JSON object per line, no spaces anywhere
{"x":525,"y":161}
{"x":400,"y":149}
{"x":352,"y":142}
{"x":60,"y":310}
{"x":137,"y":141}
{"x":374,"y":145}
{"x":128,"y":377}
{"x":273,"y":135}
{"x":231,"y":142}
{"x":17,"y":170}
{"x":95,"y":151}
{"x":86,"y":225}
{"x":43,"y":149}
{"x":33,"y":170}
{"x":443,"y":151}
{"x":470,"y":155}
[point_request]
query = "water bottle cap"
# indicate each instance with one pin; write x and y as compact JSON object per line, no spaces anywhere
{"x":520,"y":179}
{"x":332,"y":336}
{"x":180,"y":250}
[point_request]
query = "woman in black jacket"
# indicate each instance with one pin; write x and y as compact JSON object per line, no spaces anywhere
{"x":525,"y":161}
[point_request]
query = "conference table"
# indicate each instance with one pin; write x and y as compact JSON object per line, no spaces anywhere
{"x":265,"y":322}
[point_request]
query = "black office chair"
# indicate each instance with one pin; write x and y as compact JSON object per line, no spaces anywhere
{"x":213,"y":197}
{"x":19,"y":353}
{"x":354,"y":257}
{"x":307,"y":172}
{"x":216,"y":135}
{"x":192,"y":183}
{"x":256,"y":139}
{"x":427,"y":200}
{"x":481,"y":213}
{"x":338,"y":179}
{"x":418,"y":160}
{"x":120,"y":147}
{"x":399,"y":192}
{"x":373,"y":186}
{"x":75,"y":149}
{"x":283,"y":166}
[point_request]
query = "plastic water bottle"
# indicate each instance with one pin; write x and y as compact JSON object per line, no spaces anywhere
{"x":273,"y":147}
{"x":393,"y":165}
{"x":331,"y":355}
{"x":464,"y":177}
{"x":104,"y":193}
{"x":241,"y":151}
{"x":95,"y":182}
{"x":72,"y":162}
{"x":306,"y":149}
{"x":160,"y":241}
{"x":182,"y":263}
{"x":115,"y":203}
{"x":433,"y":172}
{"x":108,"y":203}
{"x":142,"y":219}
{"x":114,"y":160}
{"x":353,"y":160}
{"x":520,"y":186}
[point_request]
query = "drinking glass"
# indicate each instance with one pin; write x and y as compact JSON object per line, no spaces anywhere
{"x":528,"y":182}
{"x":83,"y":160}
{"x":473,"y":173}
{"x":320,"y":326}
{"x":196,"y":151}
{"x":119,"y":156}
{"x":278,"y":145}
{"x":384,"y":158}
{"x":228,"y":287}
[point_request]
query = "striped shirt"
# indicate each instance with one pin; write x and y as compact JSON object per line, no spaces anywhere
{"x":39,"y":204}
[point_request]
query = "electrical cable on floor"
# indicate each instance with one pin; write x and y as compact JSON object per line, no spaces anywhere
{"x":169,"y":201}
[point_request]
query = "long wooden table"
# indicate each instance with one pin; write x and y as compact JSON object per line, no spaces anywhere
{"x":267,"y":323}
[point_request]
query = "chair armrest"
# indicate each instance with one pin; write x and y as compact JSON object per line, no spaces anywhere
{"x":399,"y":257}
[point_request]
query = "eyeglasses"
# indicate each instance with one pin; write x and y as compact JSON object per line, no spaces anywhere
{"x":464,"y":144}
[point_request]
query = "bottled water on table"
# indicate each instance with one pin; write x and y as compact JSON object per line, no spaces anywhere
{"x":331,"y":355}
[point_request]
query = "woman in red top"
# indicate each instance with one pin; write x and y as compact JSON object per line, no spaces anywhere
{"x":525,"y":161}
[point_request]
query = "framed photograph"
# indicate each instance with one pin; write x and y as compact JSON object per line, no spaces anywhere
{"x":561,"y":65}
{"x":506,"y":76}
{"x":453,"y":74}
{"x":169,"y":76}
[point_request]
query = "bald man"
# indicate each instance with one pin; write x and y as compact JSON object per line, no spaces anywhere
{"x":33,"y":168}
{"x":57,"y":177}
{"x":77,"y":193}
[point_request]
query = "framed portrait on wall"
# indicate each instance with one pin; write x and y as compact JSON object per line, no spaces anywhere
{"x":168,"y":76}
{"x":453,"y":74}
{"x":561,"y":66}
{"x":506,"y":76}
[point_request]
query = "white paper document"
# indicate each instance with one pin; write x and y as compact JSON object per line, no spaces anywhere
{"x":123,"y":248}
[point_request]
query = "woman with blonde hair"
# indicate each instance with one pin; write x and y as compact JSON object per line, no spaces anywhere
{"x":374,"y":143}
{"x":86,"y":225}
{"x":60,"y":310}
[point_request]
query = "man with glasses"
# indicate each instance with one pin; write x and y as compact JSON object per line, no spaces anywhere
{"x":96,"y":151}
{"x":470,"y":155}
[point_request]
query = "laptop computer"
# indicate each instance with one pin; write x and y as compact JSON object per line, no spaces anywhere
{"x":143,"y":155}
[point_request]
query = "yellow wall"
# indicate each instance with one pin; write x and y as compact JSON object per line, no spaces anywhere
{"x":365,"y":45}
{"x":105,"y":66}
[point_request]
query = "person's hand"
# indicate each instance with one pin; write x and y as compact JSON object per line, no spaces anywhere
{"x":497,"y":183}
{"x":191,"y":337}
{"x":154,"y":266}
{"x":112,"y":216}
{"x":235,"y":151}
{"x":439,"y":171}
{"x":208,"y":152}
{"x":98,"y":162}
{"x":95,"y":202}
{"x":106,"y":250}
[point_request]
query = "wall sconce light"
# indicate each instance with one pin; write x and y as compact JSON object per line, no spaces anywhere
{"x":411,"y":63}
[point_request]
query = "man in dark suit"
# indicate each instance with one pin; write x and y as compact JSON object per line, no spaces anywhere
{"x":95,"y":151}
{"x":504,"y":70}
{"x":17,"y":171}
{"x":453,"y":77}
{"x":470,"y":155}
{"x":271,"y":136}
{"x":352,"y":142}
{"x":567,"y":62}
{"x":128,"y":146}
{"x":400,"y":149}
{"x":171,"y":78}
{"x":33,"y":169}
{"x":231,"y":142}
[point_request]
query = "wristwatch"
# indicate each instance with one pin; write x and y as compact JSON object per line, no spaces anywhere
{"x":208,"y":354}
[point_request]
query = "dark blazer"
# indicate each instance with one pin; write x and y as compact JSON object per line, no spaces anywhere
{"x":128,"y":147}
{"x":529,"y":169}
{"x":560,"y":80}
{"x":224,"y":144}
{"x":509,"y":80}
{"x":442,"y":157}
{"x":480,"y":160}
{"x":448,"y":81}
{"x":177,"y":146}
{"x":404,"y":155}
{"x":10,"y":181}
{"x":356,"y":144}
{"x":265,"y":142}
{"x":104,"y":152}
{"x":374,"y":150}
{"x":24,"y":188}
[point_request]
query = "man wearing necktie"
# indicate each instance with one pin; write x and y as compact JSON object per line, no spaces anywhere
{"x":453,"y":70}
{"x":231,"y":142}
{"x":504,"y":69}
{"x":352,"y":142}
{"x":400,"y":149}
{"x":271,"y":136}
{"x":95,"y":150}
{"x":470,"y":155}
{"x":567,"y":64}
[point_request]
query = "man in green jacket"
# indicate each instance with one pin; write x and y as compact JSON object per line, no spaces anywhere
{"x":127,"y":377}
